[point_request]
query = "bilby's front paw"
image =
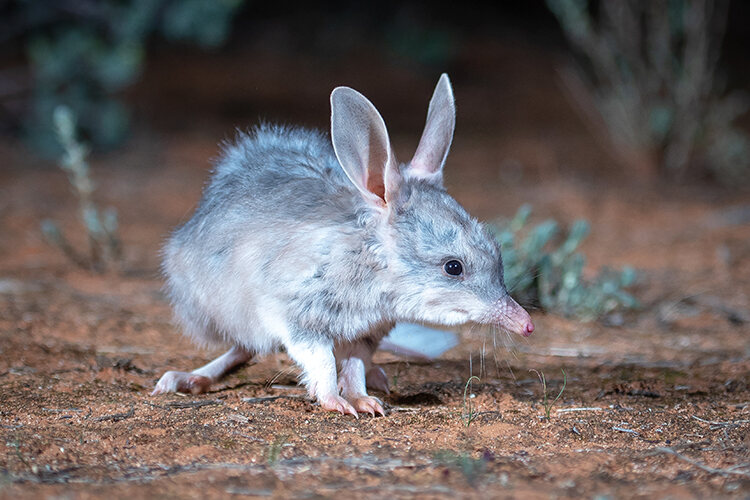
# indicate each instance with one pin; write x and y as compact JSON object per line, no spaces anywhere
{"x":184,"y":382}
{"x":333,"y":402}
{"x":377,"y":379}
{"x":367,"y":404}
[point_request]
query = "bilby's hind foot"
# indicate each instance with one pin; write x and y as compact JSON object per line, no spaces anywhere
{"x":200,"y":380}
{"x":368,"y":404}
{"x":187,"y":383}
{"x":333,"y":402}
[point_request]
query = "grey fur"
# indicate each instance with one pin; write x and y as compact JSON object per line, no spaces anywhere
{"x":287,"y":248}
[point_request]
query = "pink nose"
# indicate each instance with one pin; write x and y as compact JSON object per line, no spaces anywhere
{"x":528,"y":329}
{"x":507,"y":314}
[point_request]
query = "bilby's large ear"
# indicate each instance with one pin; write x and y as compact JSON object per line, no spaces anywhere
{"x":362,"y":147}
{"x":436,"y":139}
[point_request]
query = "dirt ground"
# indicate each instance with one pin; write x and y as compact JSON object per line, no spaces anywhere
{"x":657,"y":402}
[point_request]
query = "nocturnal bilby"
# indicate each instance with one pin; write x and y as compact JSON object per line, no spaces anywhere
{"x":319,"y":246}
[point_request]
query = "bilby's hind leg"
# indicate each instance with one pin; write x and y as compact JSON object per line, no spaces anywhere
{"x":200,"y":380}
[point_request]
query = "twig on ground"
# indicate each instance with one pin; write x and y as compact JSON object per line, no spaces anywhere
{"x":194,"y":404}
{"x":261,"y":399}
{"x":622,"y":429}
{"x":567,"y":410}
{"x":264,"y":399}
{"x":712,"y":470}
{"x":718,"y":425}
{"x":116,"y":417}
{"x":634,"y":433}
{"x":153,"y":405}
{"x":404,"y":409}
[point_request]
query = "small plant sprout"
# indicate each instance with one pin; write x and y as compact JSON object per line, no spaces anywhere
{"x":545,"y":398}
{"x":273,"y":453}
{"x":468,"y":413}
{"x":101,"y":226}
{"x":397,"y":375}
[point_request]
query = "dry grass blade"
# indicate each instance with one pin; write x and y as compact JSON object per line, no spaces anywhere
{"x":468,"y":415}
{"x":545,"y":398}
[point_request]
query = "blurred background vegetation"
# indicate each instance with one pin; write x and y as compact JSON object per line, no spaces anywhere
{"x":84,"y":53}
{"x":650,"y":74}
{"x":646,"y":75}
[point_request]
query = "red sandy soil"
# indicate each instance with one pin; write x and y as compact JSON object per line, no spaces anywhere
{"x":656,"y":407}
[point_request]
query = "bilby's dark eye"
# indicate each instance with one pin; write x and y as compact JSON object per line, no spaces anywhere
{"x":453,"y":268}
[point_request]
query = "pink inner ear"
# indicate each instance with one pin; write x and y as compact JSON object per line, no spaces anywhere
{"x":376,"y":186}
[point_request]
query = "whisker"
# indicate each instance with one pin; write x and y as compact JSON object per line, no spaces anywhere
{"x":511,"y":371}
{"x":494,"y":351}
{"x":471,"y":363}
{"x":482,"y":371}
{"x":279,"y":373}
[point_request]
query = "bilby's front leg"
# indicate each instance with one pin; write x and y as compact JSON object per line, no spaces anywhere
{"x":200,"y":380}
{"x":355,"y":361}
{"x":319,"y":373}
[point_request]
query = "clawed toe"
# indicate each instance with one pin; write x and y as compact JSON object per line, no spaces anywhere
{"x":339,"y":404}
{"x":368,"y":404}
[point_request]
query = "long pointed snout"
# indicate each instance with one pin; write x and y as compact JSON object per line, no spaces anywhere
{"x":507,"y":314}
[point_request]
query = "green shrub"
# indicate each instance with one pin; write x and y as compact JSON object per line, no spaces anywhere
{"x":542,"y":267}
